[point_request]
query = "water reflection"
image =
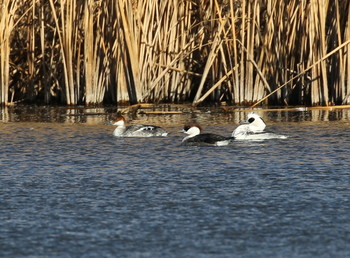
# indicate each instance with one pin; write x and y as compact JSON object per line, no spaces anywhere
{"x":54,"y":114}
{"x":165,"y":114}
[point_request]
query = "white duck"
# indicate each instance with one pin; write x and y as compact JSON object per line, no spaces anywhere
{"x":253,"y":129}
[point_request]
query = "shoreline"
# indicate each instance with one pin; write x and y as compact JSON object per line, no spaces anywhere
{"x":158,"y":112}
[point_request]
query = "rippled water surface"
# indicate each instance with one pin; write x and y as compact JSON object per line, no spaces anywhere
{"x":72,"y":189}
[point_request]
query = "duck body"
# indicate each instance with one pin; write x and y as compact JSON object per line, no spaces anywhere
{"x":258,"y":136}
{"x":195,"y":138}
{"x":254,"y":129}
{"x":139,"y":130}
{"x":207,"y":139}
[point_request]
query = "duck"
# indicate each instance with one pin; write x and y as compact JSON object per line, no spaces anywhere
{"x":254,"y":129}
{"x":138,"y":130}
{"x":196,"y":138}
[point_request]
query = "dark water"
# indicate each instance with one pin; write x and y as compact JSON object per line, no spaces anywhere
{"x":72,"y":190}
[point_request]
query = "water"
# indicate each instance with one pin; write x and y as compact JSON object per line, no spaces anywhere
{"x":69,"y":189}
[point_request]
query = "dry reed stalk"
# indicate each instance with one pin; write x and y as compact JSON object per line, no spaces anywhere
{"x":129,"y":58}
{"x":195,"y":103}
{"x":89,"y":52}
{"x":95,"y":52}
{"x":66,"y":21}
{"x":318,"y":39}
{"x":119,"y":88}
{"x":287,"y":49}
{"x":151,"y":51}
{"x":31,"y":51}
{"x":345,"y":44}
{"x":249,"y":42}
{"x":168,"y":47}
{"x":155,"y":36}
{"x":215,"y":47}
{"x":346,"y":86}
{"x":187,"y":43}
{"x":7,"y":10}
{"x":47,"y":94}
{"x":245,"y":34}
{"x":233,"y":20}
{"x":218,"y":62}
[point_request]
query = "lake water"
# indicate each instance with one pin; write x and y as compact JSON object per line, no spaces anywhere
{"x":70,"y":189}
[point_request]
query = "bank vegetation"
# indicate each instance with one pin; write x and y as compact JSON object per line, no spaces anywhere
{"x":85,"y":52}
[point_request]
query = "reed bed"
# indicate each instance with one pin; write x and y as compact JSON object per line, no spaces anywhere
{"x":7,"y":10}
{"x":74,"y":52}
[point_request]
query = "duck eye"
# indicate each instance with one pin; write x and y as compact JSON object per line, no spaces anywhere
{"x":251,"y":120}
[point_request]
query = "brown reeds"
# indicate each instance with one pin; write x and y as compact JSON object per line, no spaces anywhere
{"x":242,"y":52}
{"x":66,"y":15}
{"x":7,"y":10}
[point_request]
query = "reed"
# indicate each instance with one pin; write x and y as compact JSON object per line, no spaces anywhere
{"x":95,"y":48}
{"x":66,"y":15}
{"x":156,"y":36}
{"x":7,"y":9}
{"x":243,"y":52}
